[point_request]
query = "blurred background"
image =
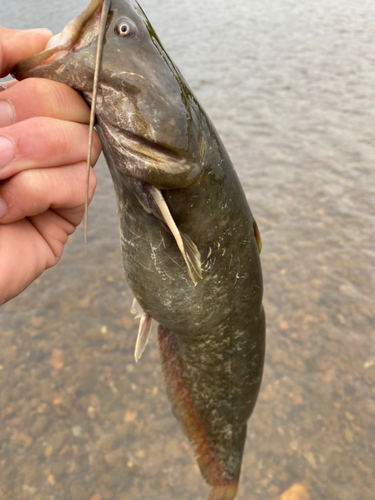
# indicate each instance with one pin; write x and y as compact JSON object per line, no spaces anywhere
{"x":290,"y":87}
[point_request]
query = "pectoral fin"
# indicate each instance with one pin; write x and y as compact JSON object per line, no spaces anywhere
{"x":187,"y":247}
{"x":192,"y":256}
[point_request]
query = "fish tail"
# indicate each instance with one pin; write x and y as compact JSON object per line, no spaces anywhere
{"x":187,"y":414}
{"x":226,"y":492}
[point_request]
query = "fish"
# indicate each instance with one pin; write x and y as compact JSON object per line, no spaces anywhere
{"x":190,"y":244}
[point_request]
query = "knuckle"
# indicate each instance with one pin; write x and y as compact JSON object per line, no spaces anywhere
{"x":54,"y":99}
{"x":45,"y":95}
{"x":61,"y":140}
{"x":57,"y":136}
{"x":37,"y":92}
{"x":30,"y":185}
{"x":48,"y":136}
{"x":36,"y":86}
{"x":50,"y":141}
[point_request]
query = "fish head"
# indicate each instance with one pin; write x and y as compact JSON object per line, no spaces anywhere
{"x":142,"y":96}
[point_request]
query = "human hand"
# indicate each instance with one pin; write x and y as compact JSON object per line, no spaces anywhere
{"x":43,"y":148}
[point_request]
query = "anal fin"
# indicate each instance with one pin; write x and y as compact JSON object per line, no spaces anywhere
{"x":144,"y":329}
{"x":143,"y":335}
{"x":136,"y":309}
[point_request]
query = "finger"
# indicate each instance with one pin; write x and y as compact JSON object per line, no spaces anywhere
{"x":33,"y":192}
{"x":54,"y":230}
{"x":17,"y":45}
{"x":41,"y":97}
{"x":28,"y":247}
{"x":13,"y":273}
{"x":44,"y":142}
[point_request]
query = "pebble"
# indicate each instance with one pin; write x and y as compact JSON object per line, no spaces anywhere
{"x":37,"y":321}
{"x":77,"y":492}
{"x":297,"y":400}
{"x":114,"y":457}
{"x":51,"y":479}
{"x":39,"y":426}
{"x":128,"y":322}
{"x":368,"y":406}
{"x":130,"y":416}
{"x":48,"y":450}
{"x":106,"y":493}
{"x":42,"y":408}
{"x":84,"y":303}
{"x":77,"y":430}
{"x":296,"y":492}
{"x":348,"y":436}
{"x":29,"y":490}
{"x":22,"y":439}
{"x":57,"y":359}
{"x":59,"y":439}
{"x":10,"y":354}
{"x":173,"y":449}
{"x":91,"y":412}
{"x":311,"y":460}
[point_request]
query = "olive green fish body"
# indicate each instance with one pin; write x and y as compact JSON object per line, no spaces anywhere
{"x":190,"y":244}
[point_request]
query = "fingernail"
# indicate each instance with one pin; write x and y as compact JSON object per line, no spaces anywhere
{"x":3,"y":208}
{"x":7,"y":151}
{"x":7,"y":114}
{"x":42,"y":31}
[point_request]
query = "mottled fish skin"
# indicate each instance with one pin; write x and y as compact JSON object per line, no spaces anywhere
{"x":212,"y":333}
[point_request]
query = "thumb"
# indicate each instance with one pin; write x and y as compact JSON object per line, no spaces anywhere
{"x":17,"y":45}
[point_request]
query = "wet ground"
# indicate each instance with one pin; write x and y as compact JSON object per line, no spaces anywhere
{"x":289,"y":86}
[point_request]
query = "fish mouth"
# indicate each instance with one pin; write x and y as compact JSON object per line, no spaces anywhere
{"x":166,"y":168}
{"x":148,"y":150}
{"x":67,"y":41}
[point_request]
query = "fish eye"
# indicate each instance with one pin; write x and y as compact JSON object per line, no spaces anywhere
{"x":125,"y":27}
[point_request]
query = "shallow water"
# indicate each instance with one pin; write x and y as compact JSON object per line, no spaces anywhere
{"x":289,"y":86}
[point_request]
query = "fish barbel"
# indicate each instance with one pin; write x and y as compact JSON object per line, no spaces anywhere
{"x":190,"y":244}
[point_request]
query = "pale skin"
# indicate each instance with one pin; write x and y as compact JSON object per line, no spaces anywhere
{"x":43,"y":150}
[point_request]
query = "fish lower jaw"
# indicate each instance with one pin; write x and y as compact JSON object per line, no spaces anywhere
{"x":58,"y":55}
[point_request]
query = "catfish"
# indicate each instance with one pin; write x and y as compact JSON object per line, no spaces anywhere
{"x":190,"y":244}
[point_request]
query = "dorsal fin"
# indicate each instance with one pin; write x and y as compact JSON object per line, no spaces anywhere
{"x":257,"y":236}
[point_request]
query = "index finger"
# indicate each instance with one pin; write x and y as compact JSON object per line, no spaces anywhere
{"x":17,"y":45}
